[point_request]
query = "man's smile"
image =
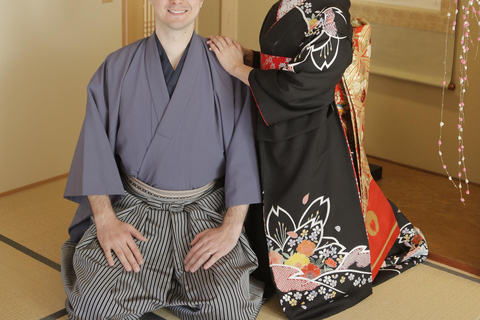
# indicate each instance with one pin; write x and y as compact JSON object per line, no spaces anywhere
{"x":177,"y":11}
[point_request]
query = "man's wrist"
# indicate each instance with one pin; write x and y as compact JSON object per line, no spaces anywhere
{"x":101,"y":208}
{"x":234,"y":218}
{"x":233,"y":226}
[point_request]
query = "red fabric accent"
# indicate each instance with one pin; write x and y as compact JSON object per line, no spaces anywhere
{"x":286,"y":279}
{"x":353,"y":164}
{"x":268,"y":62}
{"x":253,"y":95}
{"x":383,"y":230}
{"x":340,"y":96}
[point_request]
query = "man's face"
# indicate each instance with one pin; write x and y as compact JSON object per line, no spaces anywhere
{"x":176,"y":14}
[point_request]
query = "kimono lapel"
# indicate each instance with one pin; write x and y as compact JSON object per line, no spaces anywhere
{"x":156,"y":80}
{"x":286,"y":6}
{"x":181,"y":95}
{"x":276,"y":23}
{"x":175,"y":107}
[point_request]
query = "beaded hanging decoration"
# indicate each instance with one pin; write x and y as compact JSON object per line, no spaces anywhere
{"x":469,"y":12}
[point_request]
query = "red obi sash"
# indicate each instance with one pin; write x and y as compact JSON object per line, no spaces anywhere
{"x":268,"y":62}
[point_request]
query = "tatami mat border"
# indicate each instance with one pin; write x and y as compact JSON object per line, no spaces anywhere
{"x":151,"y":316}
{"x":30,"y":253}
{"x":56,"y":315}
{"x":455,"y":273}
{"x":56,"y":266}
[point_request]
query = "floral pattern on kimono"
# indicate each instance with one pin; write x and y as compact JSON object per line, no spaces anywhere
{"x":412,"y":238}
{"x":306,"y":263}
{"x":321,"y":25}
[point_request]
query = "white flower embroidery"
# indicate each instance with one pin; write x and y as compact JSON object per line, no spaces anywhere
{"x":369,"y":51}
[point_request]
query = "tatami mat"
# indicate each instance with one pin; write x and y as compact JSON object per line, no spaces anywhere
{"x":33,"y":223}
{"x":429,"y":291}
{"x":38,"y":218}
{"x":28,"y":288}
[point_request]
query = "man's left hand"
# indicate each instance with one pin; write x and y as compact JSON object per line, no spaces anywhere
{"x":208,"y":246}
{"x":212,"y":244}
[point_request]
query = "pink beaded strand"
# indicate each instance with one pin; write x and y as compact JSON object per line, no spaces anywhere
{"x":470,"y":11}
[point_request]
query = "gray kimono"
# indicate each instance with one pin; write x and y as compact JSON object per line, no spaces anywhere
{"x":133,"y":127}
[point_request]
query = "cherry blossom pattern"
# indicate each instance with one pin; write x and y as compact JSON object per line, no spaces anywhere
{"x":308,"y":265}
{"x":319,"y":23}
{"x":269,"y":62}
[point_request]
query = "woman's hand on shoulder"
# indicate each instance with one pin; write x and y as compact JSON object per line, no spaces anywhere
{"x":230,"y":54}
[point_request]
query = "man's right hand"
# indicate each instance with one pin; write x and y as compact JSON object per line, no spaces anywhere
{"x":113,"y":234}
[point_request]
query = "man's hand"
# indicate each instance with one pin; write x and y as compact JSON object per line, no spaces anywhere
{"x":113,"y":234}
{"x":212,"y":244}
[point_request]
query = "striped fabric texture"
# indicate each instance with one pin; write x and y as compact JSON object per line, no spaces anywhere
{"x":98,"y":291}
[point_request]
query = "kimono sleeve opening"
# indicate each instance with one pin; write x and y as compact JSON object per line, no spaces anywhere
{"x":242,"y":181}
{"x":94,"y":170}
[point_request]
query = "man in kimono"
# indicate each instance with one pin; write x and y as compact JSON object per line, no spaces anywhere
{"x":164,"y":171}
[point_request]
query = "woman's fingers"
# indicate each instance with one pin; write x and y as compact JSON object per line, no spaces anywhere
{"x":220,"y":42}
{"x":228,"y":40}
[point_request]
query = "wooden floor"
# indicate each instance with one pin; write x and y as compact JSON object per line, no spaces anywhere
{"x":432,"y":204}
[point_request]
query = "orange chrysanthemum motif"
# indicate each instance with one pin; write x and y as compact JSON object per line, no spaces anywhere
{"x":275,"y":257}
{"x":311,"y":271}
{"x":330,"y":262}
{"x":306,"y":247}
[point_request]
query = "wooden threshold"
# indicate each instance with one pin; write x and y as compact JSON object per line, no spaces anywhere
{"x":453,"y":263}
{"x":36,"y":184}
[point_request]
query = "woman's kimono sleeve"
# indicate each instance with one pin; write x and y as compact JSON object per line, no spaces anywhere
{"x":242,"y":182}
{"x":94,"y":170}
{"x":307,"y":83}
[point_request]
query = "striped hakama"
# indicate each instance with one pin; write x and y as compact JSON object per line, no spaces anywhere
{"x":169,"y":220}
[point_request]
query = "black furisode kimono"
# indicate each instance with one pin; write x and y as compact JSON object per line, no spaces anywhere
{"x":319,"y":251}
